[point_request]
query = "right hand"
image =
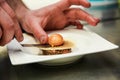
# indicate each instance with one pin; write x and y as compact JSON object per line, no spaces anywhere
{"x":53,"y":17}
{"x":9,"y":26}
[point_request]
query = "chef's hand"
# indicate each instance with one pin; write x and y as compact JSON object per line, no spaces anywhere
{"x":56,"y":16}
{"x":9,"y":26}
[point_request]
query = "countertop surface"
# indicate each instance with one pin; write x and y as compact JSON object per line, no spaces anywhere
{"x":100,"y":66}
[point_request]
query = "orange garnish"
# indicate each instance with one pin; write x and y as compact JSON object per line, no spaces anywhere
{"x":55,"y":40}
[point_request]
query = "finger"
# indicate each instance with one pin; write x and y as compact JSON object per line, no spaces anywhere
{"x":2,"y":1}
{"x":77,"y":23}
{"x":38,"y":32}
{"x":64,"y":4}
{"x":7,"y":27}
{"x":78,"y":14}
{"x":10,"y":12}
{"x":92,"y":20}
{"x":18,"y":31}
{"x":7,"y":8}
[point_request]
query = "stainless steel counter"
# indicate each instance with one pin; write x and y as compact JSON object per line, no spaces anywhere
{"x":98,"y":66}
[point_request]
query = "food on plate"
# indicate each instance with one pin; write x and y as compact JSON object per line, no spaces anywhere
{"x":57,"y":45}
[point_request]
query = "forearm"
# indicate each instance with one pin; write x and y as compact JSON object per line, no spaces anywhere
{"x":18,"y":6}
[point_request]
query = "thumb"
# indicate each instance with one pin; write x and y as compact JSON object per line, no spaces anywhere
{"x":39,"y":32}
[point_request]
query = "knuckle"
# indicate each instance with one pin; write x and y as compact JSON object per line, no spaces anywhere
{"x":10,"y":26}
{"x":12,"y":14}
{"x":8,"y":38}
{"x":18,"y":31}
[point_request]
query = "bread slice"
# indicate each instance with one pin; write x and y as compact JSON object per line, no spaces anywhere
{"x":53,"y":52}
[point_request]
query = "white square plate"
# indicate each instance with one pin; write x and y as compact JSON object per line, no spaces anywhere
{"x":86,"y":42}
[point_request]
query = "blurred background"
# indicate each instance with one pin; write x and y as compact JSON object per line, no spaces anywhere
{"x":103,"y":2}
{"x":119,"y":3}
{"x":41,"y":3}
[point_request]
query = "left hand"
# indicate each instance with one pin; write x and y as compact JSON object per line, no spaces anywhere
{"x":56,"y":16}
{"x":9,"y":25}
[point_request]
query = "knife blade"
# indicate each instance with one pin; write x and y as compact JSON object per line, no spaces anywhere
{"x":35,"y":45}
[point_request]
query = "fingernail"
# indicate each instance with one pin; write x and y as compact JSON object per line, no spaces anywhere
{"x":21,"y":38}
{"x":43,"y":40}
{"x":94,"y":21}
